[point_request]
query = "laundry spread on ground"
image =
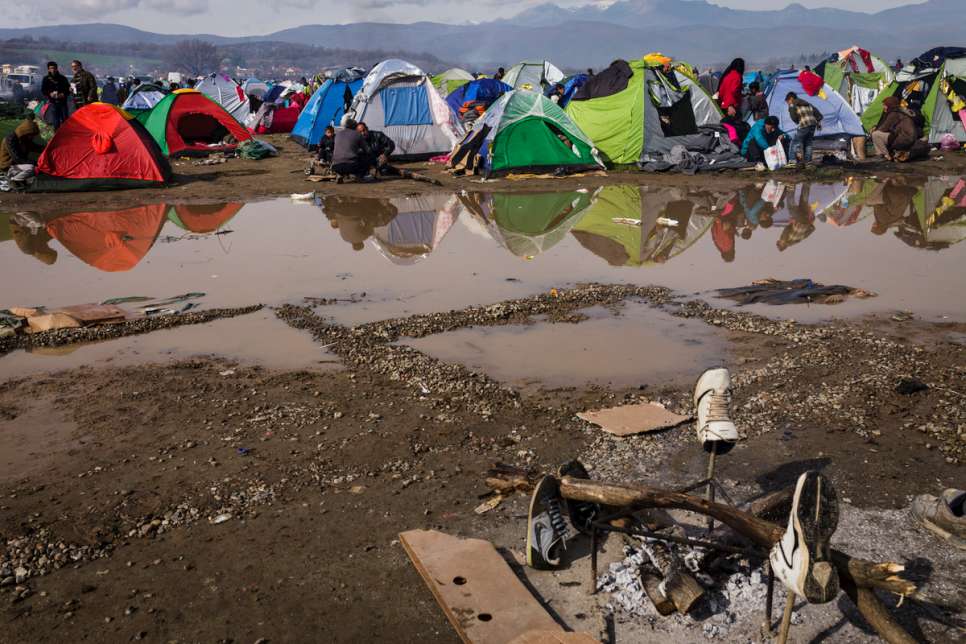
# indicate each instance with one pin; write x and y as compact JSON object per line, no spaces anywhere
{"x":800,"y":291}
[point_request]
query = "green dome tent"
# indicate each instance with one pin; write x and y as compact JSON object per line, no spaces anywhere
{"x":527,"y":224}
{"x":630,"y":109}
{"x":857,"y":75}
{"x":451,"y":80}
{"x":524,"y":131}
{"x":187,"y":122}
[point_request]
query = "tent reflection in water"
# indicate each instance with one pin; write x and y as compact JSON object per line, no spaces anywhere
{"x":610,"y":228}
{"x":938,"y":218}
{"x":528,"y":224}
{"x":110,"y":241}
{"x":203,"y":218}
{"x":419,"y":227}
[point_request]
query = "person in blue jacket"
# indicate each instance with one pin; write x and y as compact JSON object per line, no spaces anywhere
{"x":764,"y":134}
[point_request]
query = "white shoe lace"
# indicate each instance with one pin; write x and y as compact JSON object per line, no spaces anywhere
{"x":719,"y":407}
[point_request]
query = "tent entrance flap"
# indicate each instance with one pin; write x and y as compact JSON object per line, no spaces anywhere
{"x":406,"y":106}
{"x":678,"y":118}
{"x":196,"y":128}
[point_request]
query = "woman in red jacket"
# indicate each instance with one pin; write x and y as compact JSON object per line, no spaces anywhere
{"x":729,"y":89}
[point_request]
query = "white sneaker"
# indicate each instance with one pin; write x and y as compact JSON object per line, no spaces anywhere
{"x":712,"y":398}
{"x":760,"y":167}
{"x":802,"y":559}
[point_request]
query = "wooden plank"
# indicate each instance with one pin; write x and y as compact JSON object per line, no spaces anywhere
{"x":628,"y":420}
{"x":477,"y":590}
{"x":554,"y":637}
{"x":93,"y":313}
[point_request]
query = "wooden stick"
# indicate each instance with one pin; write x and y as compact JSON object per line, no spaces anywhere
{"x":787,"y":619}
{"x":769,"y":599}
{"x":711,"y":464}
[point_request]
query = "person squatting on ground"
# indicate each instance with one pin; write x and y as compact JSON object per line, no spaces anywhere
{"x":763,"y":134}
{"x":381,"y":148}
{"x":326,"y":146}
{"x":15,"y":151}
{"x":897,"y":130}
{"x":808,"y":119}
{"x":350,"y":153}
{"x":56,"y":89}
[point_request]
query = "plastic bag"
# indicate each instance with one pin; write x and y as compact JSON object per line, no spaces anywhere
{"x":775,"y":157}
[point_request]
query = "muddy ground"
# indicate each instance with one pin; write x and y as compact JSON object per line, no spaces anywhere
{"x":204,"y":500}
{"x":239,"y":180}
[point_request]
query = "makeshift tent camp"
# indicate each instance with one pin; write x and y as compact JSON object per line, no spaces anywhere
{"x":632,"y":110}
{"x":144,"y":97}
{"x":277,"y":117}
{"x":527,"y":224}
{"x":111,"y":241}
{"x":857,"y":75}
{"x":100,"y":147}
{"x":189,"y":123}
{"x":934,"y":84}
{"x":450,"y":80}
{"x":621,"y":226}
{"x":533,"y":75}
{"x":399,"y":99}
{"x":203,"y":218}
{"x":524,"y":131}
{"x":839,"y":120}
{"x":227,"y":93}
{"x":417,"y":230}
{"x":326,"y":107}
{"x":472,"y":99}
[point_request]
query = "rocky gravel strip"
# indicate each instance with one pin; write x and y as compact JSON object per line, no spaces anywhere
{"x":61,"y":337}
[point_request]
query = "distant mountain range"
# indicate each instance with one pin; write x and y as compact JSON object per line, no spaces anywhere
{"x":595,"y":34}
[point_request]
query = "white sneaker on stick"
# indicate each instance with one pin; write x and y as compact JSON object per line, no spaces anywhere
{"x":712,"y":398}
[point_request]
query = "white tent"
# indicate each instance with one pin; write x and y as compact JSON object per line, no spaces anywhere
{"x":144,"y":97}
{"x":533,"y":75}
{"x":399,"y":99}
{"x":418,"y":229}
{"x":227,"y":93}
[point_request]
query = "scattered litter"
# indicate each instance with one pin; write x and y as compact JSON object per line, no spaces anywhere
{"x":664,"y":221}
{"x":902,"y":316}
{"x":628,"y":420}
{"x":422,"y":387}
{"x":302,"y":196}
{"x":909,"y":386}
{"x":490,"y":504}
{"x":227,"y":372}
{"x":244,"y":451}
{"x":357,"y":489}
{"x":221,"y":518}
{"x":626,"y":221}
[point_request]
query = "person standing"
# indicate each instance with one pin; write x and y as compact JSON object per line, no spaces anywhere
{"x":808,"y":119}
{"x":56,"y":89}
{"x":85,"y":85}
{"x":755,"y":104}
{"x":109,"y":94}
{"x":729,"y":89}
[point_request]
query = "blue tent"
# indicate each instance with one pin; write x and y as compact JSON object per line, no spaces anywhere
{"x":754,"y":77}
{"x":838,"y":117}
{"x":326,"y":107}
{"x":484,"y":90}
{"x":274,"y":93}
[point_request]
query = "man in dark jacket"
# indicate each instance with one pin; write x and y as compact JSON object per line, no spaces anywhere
{"x":85,"y":85}
{"x":808,"y":119}
{"x":896,"y":132}
{"x":56,"y":89}
{"x":381,"y":148}
{"x":109,"y":94}
{"x":350,"y":154}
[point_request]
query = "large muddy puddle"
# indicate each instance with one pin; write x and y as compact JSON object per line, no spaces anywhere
{"x":381,"y":258}
{"x":631,"y":346}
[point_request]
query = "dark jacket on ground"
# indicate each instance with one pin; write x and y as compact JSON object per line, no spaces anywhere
{"x":350,"y":147}
{"x":56,"y":83}
{"x":379,"y":144}
{"x":902,"y":129}
{"x":86,"y":87}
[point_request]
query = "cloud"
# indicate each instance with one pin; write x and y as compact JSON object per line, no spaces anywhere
{"x":93,"y":9}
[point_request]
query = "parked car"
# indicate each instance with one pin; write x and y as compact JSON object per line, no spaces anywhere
{"x":11,"y":90}
{"x":29,"y":83}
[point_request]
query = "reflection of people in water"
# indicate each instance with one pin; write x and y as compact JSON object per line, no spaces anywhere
{"x":35,"y":244}
{"x":802,"y":222}
{"x":890,"y":202}
{"x":356,"y":218}
{"x":724,"y":228}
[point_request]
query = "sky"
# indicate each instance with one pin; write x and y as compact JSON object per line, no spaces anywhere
{"x":257,"y":17}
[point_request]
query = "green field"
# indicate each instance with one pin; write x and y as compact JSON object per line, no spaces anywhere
{"x":7,"y":126}
{"x":100,"y":62}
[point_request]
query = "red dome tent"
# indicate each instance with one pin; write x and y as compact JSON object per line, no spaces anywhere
{"x":203,"y":218}
{"x":112,"y":241}
{"x":100,"y":147}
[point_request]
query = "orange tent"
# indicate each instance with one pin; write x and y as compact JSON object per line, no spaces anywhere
{"x":114,"y":240}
